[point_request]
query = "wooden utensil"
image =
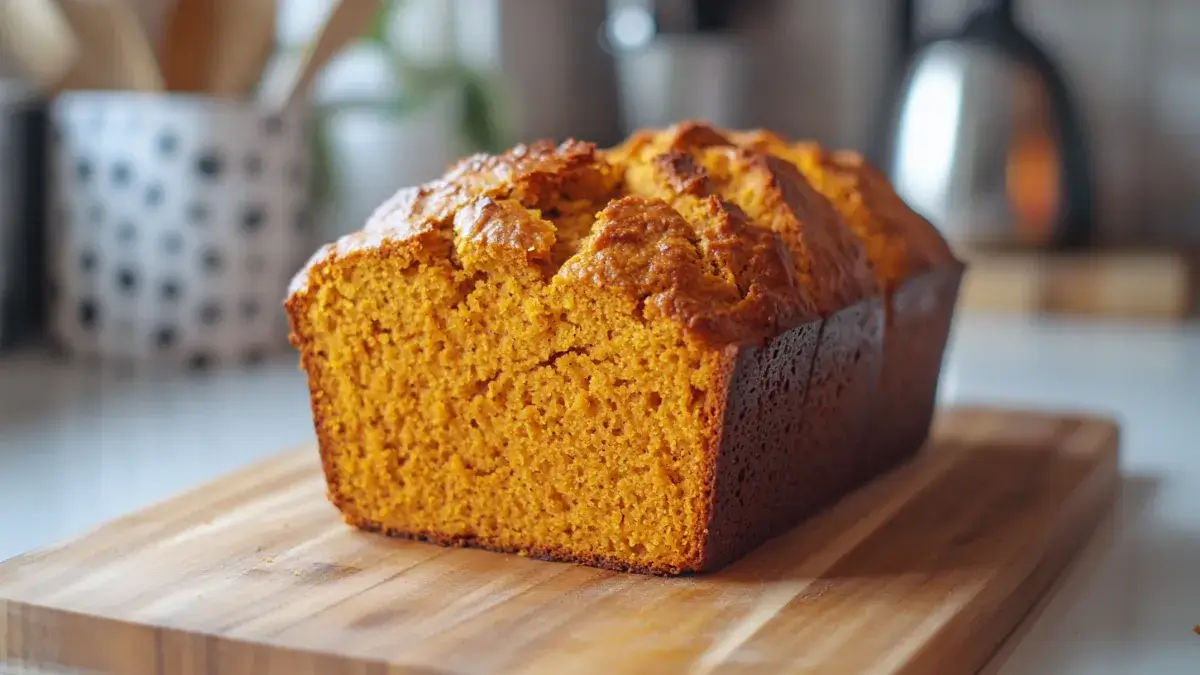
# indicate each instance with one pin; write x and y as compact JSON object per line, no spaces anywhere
{"x":347,"y":20}
{"x":187,"y":45}
{"x":927,"y":570}
{"x":244,"y":38}
{"x":116,"y":52}
{"x":37,"y":34}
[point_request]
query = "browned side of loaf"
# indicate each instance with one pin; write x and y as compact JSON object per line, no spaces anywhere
{"x":919,"y":320}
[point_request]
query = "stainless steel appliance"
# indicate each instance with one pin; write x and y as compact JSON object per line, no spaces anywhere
{"x":677,"y":59}
{"x":984,"y":139}
{"x":558,"y":81}
{"x":21,"y":205}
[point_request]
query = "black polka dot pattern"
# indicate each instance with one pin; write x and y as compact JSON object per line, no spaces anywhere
{"x":168,"y":143}
{"x":248,"y":308}
{"x":126,"y":232}
{"x":170,"y":291}
{"x":121,"y":174}
{"x":212,"y":261}
{"x":197,"y":213}
{"x":199,"y":362}
{"x":164,"y":338}
{"x":127,"y":280}
{"x":253,"y":217}
{"x":210,"y":313}
{"x":209,"y":165}
{"x":89,"y":314}
{"x":154,"y":194}
{"x":254,"y":356}
{"x":176,"y":232}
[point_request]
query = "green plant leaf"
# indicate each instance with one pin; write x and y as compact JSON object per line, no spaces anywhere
{"x":378,"y":32}
{"x":323,"y":185}
{"x":479,"y":126}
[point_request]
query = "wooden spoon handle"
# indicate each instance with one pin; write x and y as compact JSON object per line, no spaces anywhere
{"x":37,"y":34}
{"x":137,"y":49}
{"x":348,"y":19}
{"x":186,"y":47}
{"x":245,"y":39}
{"x":116,"y":52}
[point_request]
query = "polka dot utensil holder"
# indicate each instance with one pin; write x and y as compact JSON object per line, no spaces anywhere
{"x":176,"y":223}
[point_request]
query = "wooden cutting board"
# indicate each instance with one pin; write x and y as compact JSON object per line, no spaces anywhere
{"x":925,"y":571}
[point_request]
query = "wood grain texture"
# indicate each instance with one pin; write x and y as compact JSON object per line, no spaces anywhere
{"x":243,"y":43}
{"x":39,"y":37}
{"x":1115,"y":284}
{"x":927,"y":570}
{"x":347,"y":21}
{"x":188,"y":45}
{"x":115,"y":52}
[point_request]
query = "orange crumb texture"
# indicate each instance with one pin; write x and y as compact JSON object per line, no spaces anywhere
{"x":532,"y":354}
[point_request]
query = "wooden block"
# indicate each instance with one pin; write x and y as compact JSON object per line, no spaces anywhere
{"x":1003,"y":284}
{"x":927,"y":570}
{"x":1124,"y":285}
{"x":1149,"y":286}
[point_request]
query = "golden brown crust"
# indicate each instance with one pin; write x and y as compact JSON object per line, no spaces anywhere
{"x":690,"y":162}
{"x":838,"y":266}
{"x":644,"y":248}
{"x":743,"y":261}
{"x":900,"y":243}
{"x":548,"y":553}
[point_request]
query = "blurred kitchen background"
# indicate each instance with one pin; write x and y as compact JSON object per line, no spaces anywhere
{"x":156,"y":195}
{"x":1056,"y":142}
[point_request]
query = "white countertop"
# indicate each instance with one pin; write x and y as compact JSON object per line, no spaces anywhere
{"x":78,"y":447}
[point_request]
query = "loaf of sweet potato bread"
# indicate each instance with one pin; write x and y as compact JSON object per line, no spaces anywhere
{"x":650,"y":358}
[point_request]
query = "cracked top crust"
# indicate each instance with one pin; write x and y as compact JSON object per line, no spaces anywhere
{"x":722,"y":232}
{"x":899,"y":242}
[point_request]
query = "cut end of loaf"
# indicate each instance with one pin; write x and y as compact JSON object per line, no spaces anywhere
{"x":473,"y":408}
